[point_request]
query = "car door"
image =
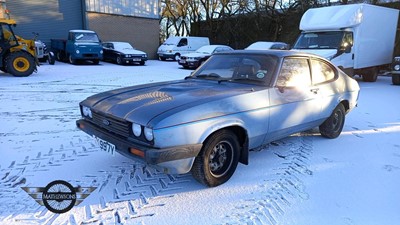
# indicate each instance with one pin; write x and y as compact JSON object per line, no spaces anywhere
{"x":323,"y":75}
{"x":292,"y":99}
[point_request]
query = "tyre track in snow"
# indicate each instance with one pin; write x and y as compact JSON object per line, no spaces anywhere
{"x":124,"y":189}
{"x":283,"y":188}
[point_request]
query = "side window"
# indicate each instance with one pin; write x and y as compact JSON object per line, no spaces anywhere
{"x":183,"y":42}
{"x":347,"y":39}
{"x":321,"y":72}
{"x":295,"y":72}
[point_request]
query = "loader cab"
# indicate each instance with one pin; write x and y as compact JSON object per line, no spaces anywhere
{"x":7,"y":38}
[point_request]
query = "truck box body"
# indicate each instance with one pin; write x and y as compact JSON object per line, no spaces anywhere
{"x":369,"y":30}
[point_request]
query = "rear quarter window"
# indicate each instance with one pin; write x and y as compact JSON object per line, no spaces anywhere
{"x":322,"y":72}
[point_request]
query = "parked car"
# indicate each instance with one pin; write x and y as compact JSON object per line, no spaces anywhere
{"x":396,"y":71}
{"x":266,"y":45}
{"x":123,"y":53}
{"x":174,"y":47}
{"x":208,"y":122}
{"x":195,"y":59}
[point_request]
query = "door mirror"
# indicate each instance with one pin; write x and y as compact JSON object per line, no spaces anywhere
{"x":344,"y":49}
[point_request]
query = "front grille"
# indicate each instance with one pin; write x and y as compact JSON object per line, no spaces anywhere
{"x":113,"y":125}
{"x":88,"y":55}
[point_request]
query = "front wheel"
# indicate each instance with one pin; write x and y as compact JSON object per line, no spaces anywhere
{"x":71,"y":60}
{"x":20,"y":64}
{"x":333,"y":126}
{"x":177,"y":57}
{"x":218,"y":159}
{"x":119,"y":60}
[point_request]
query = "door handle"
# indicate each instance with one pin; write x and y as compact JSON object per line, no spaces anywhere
{"x":314,"y":90}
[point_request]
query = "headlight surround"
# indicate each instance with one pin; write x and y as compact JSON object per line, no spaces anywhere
{"x":136,"y":129}
{"x":87,"y":111}
{"x":148,"y":134}
{"x":396,"y":67}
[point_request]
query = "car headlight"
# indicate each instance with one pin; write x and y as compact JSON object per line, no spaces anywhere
{"x":77,"y":51}
{"x":136,"y":129}
{"x":397,"y":67}
{"x":148,"y":133}
{"x":101,"y":51}
{"x":144,"y":56}
{"x":87,"y":111}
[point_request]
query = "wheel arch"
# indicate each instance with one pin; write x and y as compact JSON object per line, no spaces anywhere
{"x":242,"y":136}
{"x":346,"y":105}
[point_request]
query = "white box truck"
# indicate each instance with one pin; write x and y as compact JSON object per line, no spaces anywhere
{"x":174,"y":47}
{"x":358,"y":38}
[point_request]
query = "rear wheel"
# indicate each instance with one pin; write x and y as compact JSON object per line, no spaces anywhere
{"x":396,"y":79}
{"x":333,"y":126}
{"x":370,"y":74}
{"x":218,"y":159}
{"x":20,"y":64}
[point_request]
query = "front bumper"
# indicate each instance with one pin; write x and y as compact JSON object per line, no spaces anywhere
{"x":134,"y":60}
{"x":191,"y":64}
{"x":174,"y":160}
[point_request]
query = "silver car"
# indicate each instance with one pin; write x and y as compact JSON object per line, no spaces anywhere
{"x":207,"y":123}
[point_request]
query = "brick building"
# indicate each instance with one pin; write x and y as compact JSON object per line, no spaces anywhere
{"x":133,"y":21}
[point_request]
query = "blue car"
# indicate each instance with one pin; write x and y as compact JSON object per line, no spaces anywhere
{"x":207,"y":123}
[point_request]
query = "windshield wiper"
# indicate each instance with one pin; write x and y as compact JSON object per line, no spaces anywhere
{"x":213,"y":75}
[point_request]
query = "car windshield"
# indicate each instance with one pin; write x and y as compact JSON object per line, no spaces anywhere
{"x":122,"y":46}
{"x":244,"y":68}
{"x":86,"y":37}
{"x":319,"y":40}
{"x":208,"y":49}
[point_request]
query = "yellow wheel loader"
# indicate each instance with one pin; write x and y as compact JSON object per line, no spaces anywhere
{"x":17,"y":55}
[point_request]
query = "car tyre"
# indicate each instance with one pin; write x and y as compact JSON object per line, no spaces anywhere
{"x":218,"y":159}
{"x":333,"y":126}
{"x":71,"y":60}
{"x":371,"y":74}
{"x":162,"y":58}
{"x":396,"y":79}
{"x":96,"y":61}
{"x":119,"y":60}
{"x":177,"y":57}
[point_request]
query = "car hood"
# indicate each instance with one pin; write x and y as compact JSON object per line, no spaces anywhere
{"x":184,"y":101}
{"x":326,"y":53}
{"x":131,"y":51}
{"x":196,"y":54}
{"x":91,"y":44}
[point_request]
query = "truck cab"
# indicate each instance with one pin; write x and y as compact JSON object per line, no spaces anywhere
{"x":80,"y":45}
{"x":357,"y":38}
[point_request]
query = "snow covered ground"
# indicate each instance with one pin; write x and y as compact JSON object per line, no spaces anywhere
{"x":303,"y":179}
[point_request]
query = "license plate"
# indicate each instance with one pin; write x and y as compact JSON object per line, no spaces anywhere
{"x":136,"y":59}
{"x":182,"y":61}
{"x":105,"y":145}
